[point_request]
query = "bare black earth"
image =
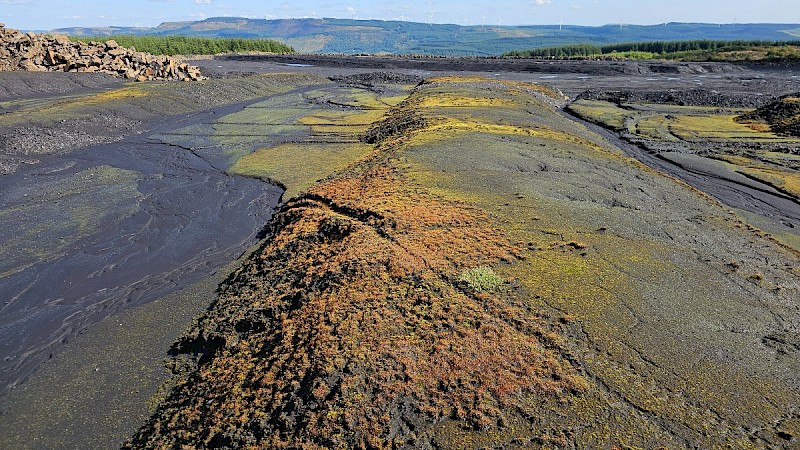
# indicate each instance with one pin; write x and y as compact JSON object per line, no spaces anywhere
{"x":188,"y":219}
{"x":492,"y":64}
{"x":32,"y":85}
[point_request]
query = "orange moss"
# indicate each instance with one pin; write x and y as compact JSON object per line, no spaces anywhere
{"x":349,"y":324}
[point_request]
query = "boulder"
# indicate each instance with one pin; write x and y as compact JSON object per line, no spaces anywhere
{"x":50,"y":58}
{"x":61,"y":40}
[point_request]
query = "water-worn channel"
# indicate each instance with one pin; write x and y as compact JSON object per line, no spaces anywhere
{"x":748,"y":195}
{"x":108,"y":227}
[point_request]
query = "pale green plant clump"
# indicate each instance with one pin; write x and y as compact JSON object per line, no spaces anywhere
{"x":481,"y":278}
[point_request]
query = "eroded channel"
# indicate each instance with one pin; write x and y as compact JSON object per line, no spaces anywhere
{"x":780,"y":211}
{"x":112,"y":226}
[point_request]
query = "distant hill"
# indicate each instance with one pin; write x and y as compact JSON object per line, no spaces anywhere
{"x":393,"y":37}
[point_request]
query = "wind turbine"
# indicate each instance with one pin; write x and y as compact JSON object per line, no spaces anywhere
{"x":560,"y":24}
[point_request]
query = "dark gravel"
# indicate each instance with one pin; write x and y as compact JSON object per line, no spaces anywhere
{"x":681,"y":97}
{"x":20,"y":84}
{"x":371,"y":78}
{"x":492,"y":64}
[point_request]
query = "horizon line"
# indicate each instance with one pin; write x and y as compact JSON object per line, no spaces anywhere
{"x":493,"y":25}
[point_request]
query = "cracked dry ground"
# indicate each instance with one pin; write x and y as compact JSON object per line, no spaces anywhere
{"x":636,"y":312}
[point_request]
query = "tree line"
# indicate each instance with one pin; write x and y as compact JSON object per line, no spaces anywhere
{"x":658,"y":48}
{"x":185,"y":45}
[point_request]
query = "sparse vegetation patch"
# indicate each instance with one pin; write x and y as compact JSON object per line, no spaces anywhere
{"x":481,"y":279}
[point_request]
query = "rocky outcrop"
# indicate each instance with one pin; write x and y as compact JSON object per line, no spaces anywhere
{"x":42,"y":53}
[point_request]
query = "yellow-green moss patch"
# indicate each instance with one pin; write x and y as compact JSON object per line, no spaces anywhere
{"x":298,"y":166}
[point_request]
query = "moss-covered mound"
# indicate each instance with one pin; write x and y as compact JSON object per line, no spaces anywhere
{"x":490,"y":275}
{"x":782,"y":115}
{"x":351,"y":327}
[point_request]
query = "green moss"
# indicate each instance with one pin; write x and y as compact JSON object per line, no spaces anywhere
{"x":145,"y":100}
{"x":718,"y":127}
{"x":481,"y":279}
{"x":342,"y":123}
{"x":332,"y":134}
{"x":349,"y":97}
{"x":601,"y":112}
{"x":298,"y":166}
{"x":673,"y":123}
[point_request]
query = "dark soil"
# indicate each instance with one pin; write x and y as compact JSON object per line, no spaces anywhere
{"x":187,"y":208}
{"x":688,"y":97}
{"x":494,"y":64}
{"x":372,"y":78}
{"x":353,"y":330}
{"x":718,"y":85}
{"x":402,"y":122}
{"x":729,"y":83}
{"x":747,"y":195}
{"x":19,"y":84}
{"x":349,"y":327}
{"x":182,"y":219}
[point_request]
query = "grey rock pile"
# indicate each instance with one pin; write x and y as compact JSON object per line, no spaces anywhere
{"x":373,"y":78}
{"x":680,"y":97}
{"x":41,"y":53}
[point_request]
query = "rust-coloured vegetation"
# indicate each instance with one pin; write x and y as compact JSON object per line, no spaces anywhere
{"x":349,"y":327}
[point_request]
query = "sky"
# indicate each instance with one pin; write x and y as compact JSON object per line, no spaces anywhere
{"x":50,"y":14}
